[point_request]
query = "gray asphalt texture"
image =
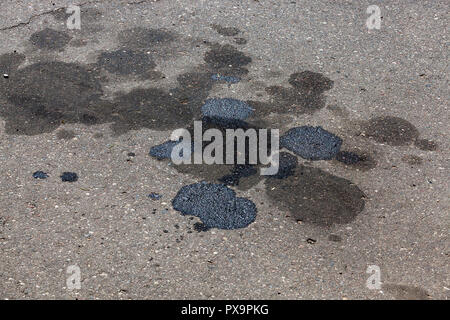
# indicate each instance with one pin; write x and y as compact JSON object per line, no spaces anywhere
{"x":94,"y":101}
{"x":312,"y":143}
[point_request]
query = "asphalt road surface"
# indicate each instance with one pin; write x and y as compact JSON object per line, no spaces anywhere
{"x":358,"y":210}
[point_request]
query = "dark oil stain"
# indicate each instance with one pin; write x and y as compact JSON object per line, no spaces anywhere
{"x":426,"y":145}
{"x":396,"y":131}
{"x":312,"y":143}
{"x":150,"y":108}
{"x":357,"y":159}
{"x":126,"y":62}
{"x":412,"y":159}
{"x":43,"y":95}
{"x":50,"y":39}
{"x":227,"y":60}
{"x":216,"y":205}
{"x":404,"y":292}
{"x":226,"y":31}
{"x":391,"y":130}
{"x":40,"y":175}
{"x":315,"y":196}
{"x":65,"y":134}
{"x":69,"y":177}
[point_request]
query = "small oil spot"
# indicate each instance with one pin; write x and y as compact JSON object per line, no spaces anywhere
{"x":69,"y":177}
{"x":40,"y":175}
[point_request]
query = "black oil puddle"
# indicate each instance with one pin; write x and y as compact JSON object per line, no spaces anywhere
{"x":396,"y":131}
{"x":216,"y":205}
{"x":314,"y":196}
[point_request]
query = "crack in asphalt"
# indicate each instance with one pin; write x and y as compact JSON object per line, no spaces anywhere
{"x":33,"y":17}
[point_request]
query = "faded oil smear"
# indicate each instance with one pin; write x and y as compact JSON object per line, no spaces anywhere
{"x":50,"y":39}
{"x":306,"y":95}
{"x":396,"y":131}
{"x":404,"y":292}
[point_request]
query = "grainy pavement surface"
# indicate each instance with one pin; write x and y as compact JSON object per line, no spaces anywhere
{"x":93,"y":101}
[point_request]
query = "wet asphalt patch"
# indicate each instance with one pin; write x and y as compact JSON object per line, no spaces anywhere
{"x":312,"y":143}
{"x":216,"y":205}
